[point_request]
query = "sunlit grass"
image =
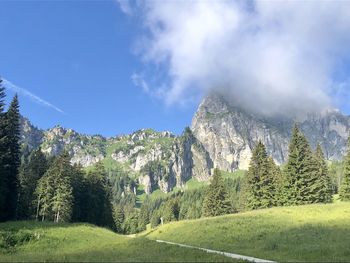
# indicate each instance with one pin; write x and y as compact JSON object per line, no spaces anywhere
{"x":79,"y":242}
{"x":302,"y":233}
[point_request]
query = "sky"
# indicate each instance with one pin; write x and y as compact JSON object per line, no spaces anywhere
{"x":112,"y":67}
{"x":78,"y":56}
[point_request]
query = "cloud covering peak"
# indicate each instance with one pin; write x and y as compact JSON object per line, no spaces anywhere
{"x":271,"y":56}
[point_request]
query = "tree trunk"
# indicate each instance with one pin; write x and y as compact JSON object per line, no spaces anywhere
{"x":37,"y":209}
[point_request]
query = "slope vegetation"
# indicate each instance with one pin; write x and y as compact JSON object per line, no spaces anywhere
{"x":303,"y":233}
{"x":42,"y":242}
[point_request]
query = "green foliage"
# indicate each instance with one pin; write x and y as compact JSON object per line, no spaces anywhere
{"x":54,"y":191}
{"x":303,"y":184}
{"x":344,"y":192}
{"x":216,"y":201}
{"x":323,"y":182}
{"x":32,"y":169}
{"x":10,"y":159}
{"x":260,"y":189}
{"x":3,"y":149}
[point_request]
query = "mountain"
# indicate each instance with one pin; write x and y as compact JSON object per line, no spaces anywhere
{"x":158,"y":160}
{"x":221,"y":135}
{"x":230,"y":133}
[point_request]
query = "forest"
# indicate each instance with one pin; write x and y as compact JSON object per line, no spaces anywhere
{"x":34,"y":186}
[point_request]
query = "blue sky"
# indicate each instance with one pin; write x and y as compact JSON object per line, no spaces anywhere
{"x":78,"y":56}
{"x":112,"y":67}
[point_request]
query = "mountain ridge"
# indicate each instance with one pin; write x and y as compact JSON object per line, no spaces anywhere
{"x":221,"y":135}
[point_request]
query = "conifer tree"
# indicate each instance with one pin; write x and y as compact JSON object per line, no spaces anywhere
{"x":32,"y":169}
{"x":99,"y":197}
{"x":216,"y":201}
{"x":3,"y":180}
{"x":12,"y":157}
{"x":260,"y":188}
{"x":324,"y":183}
{"x":44,"y":192}
{"x":54,"y":191}
{"x":118,"y":216}
{"x":344,"y":191}
{"x":301,"y":171}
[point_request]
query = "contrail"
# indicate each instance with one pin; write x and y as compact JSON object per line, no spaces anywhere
{"x":30,"y":95}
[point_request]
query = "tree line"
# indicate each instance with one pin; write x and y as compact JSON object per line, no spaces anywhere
{"x":304,"y":179}
{"x":34,"y":186}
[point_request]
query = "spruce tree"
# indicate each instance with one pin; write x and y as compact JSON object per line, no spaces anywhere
{"x":3,"y":179}
{"x":32,"y":169}
{"x":301,"y":171}
{"x":99,"y":197}
{"x":44,"y":193}
{"x":344,"y":191}
{"x":54,"y":191}
{"x":12,"y":157}
{"x":324,"y":183}
{"x":118,"y":217}
{"x":260,"y":188}
{"x":216,"y":201}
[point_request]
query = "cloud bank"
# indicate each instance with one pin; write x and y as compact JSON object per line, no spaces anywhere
{"x":30,"y":95}
{"x":271,"y":56}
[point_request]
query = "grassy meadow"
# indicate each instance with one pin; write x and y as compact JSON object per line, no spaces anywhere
{"x":318,"y":233}
{"x":303,"y":233}
{"x":42,"y":242}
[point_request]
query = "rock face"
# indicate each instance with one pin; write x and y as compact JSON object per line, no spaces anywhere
{"x":229,"y":133}
{"x":221,"y":136}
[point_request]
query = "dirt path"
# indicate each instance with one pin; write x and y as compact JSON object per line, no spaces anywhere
{"x":230,"y":255}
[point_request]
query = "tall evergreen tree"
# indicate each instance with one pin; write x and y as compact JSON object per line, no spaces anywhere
{"x":99,"y":197}
{"x":324,"y":183}
{"x":260,"y":188}
{"x":3,"y":179}
{"x":54,"y":191}
{"x":12,"y":157}
{"x":216,"y":201}
{"x":31,"y":171}
{"x":344,"y":192}
{"x":301,"y":171}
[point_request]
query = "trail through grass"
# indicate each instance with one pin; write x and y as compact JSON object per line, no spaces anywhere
{"x":303,"y":233}
{"x":83,"y":243}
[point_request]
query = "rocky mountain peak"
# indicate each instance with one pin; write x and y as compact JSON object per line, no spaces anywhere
{"x":230,"y":133}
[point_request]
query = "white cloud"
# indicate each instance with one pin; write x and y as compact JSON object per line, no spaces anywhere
{"x":273,"y":56}
{"x":139,"y":81}
{"x":30,"y":95}
{"x":125,"y":6}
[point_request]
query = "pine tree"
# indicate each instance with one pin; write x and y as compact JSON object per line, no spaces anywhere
{"x":260,"y":188}
{"x":118,"y":216}
{"x":301,"y":171}
{"x":54,"y":191}
{"x":44,"y":192}
{"x":32,"y":169}
{"x":216,"y":201}
{"x":324,"y":183}
{"x":99,"y":197}
{"x":12,"y":157}
{"x":3,"y":179}
{"x":344,"y":191}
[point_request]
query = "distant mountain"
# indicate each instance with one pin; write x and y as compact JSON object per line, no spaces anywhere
{"x":221,"y":135}
{"x":229,"y":133}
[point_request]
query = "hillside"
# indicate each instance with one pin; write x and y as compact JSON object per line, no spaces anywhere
{"x":316,"y":233}
{"x":34,"y":242}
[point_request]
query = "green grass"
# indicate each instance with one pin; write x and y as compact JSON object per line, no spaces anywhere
{"x":81,"y":242}
{"x":234,"y":175}
{"x":303,"y":233}
{"x":193,"y":183}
